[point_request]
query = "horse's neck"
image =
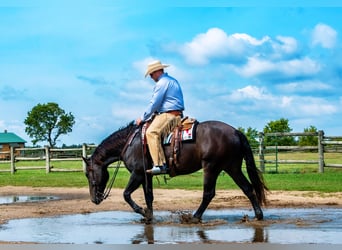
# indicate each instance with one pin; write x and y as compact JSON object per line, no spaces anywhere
{"x":111,"y":153}
{"x":110,"y":150}
{"x":104,"y":158}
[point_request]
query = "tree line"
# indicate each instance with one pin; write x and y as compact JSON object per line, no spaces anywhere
{"x":281,"y":126}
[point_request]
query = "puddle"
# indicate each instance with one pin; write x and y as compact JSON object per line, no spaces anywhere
{"x":25,"y":198}
{"x":282,"y":226}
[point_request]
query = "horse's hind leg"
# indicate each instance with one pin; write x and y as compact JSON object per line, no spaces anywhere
{"x":248,"y":190}
{"x":209,"y":189}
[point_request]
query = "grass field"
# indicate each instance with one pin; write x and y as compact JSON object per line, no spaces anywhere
{"x":301,"y":177}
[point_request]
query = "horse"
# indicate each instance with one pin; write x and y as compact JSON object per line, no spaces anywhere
{"x":217,"y":147}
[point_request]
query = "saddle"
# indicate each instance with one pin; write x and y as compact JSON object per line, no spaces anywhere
{"x":184,"y":132}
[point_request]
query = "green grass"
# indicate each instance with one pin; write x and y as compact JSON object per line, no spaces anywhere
{"x":330,"y":181}
{"x":299,"y":177}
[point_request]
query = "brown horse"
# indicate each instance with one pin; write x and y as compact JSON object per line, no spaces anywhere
{"x":218,"y":147}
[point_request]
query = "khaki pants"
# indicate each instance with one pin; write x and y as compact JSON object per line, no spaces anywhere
{"x":161,"y":125}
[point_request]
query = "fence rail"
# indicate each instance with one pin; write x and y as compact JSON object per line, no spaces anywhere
{"x":48,"y":155}
{"x":324,"y":145}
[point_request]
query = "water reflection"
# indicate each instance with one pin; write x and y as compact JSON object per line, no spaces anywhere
{"x":146,"y":236}
{"x":200,"y":235}
{"x":285,"y":226}
{"x":24,"y":198}
{"x":260,"y":235}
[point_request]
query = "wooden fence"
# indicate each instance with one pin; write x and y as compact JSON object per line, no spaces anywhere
{"x":324,"y":144}
{"x":48,"y":155}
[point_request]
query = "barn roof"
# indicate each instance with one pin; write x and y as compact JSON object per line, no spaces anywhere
{"x":8,"y":137}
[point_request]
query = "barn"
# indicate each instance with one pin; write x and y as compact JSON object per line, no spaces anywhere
{"x":8,"y":140}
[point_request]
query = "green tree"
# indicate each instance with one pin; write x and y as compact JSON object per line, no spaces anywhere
{"x":46,"y":122}
{"x":281,"y":126}
{"x":308,"y":140}
{"x":252,"y":136}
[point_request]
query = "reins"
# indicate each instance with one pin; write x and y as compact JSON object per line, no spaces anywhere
{"x":111,"y":183}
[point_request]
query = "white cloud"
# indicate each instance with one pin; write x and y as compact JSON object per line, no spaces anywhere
{"x":294,"y":67}
{"x":249,"y":39}
{"x":255,"y":66}
{"x":215,"y":43}
{"x":248,"y":92}
{"x":315,"y":107}
{"x":283,"y":46}
{"x":210,"y":44}
{"x":305,"y":66}
{"x":252,"y":98}
{"x":324,"y":36}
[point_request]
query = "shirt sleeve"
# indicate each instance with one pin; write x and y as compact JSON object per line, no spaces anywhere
{"x":156,"y":100}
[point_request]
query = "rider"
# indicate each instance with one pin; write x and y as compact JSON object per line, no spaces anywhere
{"x":167,"y":104}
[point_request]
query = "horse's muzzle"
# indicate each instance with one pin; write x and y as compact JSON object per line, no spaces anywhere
{"x":97,"y":200}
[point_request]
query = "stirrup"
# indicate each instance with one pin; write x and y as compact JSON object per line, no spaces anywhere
{"x":157,"y":170}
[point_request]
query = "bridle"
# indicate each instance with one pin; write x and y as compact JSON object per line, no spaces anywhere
{"x":111,"y":183}
{"x":108,"y":188}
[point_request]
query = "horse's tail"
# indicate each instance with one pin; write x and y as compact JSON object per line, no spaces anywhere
{"x":254,"y":173}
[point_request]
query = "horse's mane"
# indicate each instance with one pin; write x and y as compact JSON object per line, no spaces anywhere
{"x":116,"y":140}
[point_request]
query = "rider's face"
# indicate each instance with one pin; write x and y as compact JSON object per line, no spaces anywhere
{"x":155,"y":75}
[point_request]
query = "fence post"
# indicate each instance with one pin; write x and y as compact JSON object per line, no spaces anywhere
{"x":12,"y":160}
{"x":84,"y":154}
{"x":47,"y":159}
{"x":261,"y":152}
{"x":320,"y":151}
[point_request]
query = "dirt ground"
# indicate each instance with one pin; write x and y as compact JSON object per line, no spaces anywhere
{"x":77,"y":200}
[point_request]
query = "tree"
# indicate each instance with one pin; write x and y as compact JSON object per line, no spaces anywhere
{"x":309,"y":140}
{"x":252,"y":135}
{"x":282,"y":126}
{"x":46,"y":122}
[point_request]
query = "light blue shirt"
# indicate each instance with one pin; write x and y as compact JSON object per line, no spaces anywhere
{"x":167,"y":96}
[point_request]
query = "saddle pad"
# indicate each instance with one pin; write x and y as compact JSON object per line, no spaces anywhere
{"x":186,"y":135}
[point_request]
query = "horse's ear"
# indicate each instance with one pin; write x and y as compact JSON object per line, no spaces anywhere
{"x":85,"y":160}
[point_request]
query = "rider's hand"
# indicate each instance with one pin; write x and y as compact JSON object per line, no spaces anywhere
{"x":138,"y":121}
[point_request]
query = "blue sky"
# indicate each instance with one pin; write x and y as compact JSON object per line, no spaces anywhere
{"x":242,"y":63}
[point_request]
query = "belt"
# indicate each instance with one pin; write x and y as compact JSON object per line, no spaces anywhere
{"x":175,"y":112}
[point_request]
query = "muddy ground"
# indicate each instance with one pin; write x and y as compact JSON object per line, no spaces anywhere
{"x":76,"y":200}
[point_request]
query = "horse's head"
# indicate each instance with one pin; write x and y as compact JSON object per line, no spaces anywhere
{"x":97,"y":176}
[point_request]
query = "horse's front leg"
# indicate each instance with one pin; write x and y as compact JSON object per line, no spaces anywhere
{"x":133,"y":184}
{"x":148,"y":193}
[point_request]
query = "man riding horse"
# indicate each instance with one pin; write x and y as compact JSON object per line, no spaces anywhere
{"x":216,"y":147}
{"x":167,"y":105}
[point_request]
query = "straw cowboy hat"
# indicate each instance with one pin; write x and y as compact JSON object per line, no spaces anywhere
{"x":154,"y":66}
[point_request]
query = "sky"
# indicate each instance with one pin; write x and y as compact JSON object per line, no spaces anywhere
{"x":242,"y":63}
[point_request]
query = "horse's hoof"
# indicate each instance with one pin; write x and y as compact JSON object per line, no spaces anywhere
{"x":141,"y":211}
{"x":189,"y":219}
{"x":259,"y":215}
{"x":146,"y":221}
{"x":195,"y":220}
{"x":148,"y":214}
{"x":259,"y":218}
